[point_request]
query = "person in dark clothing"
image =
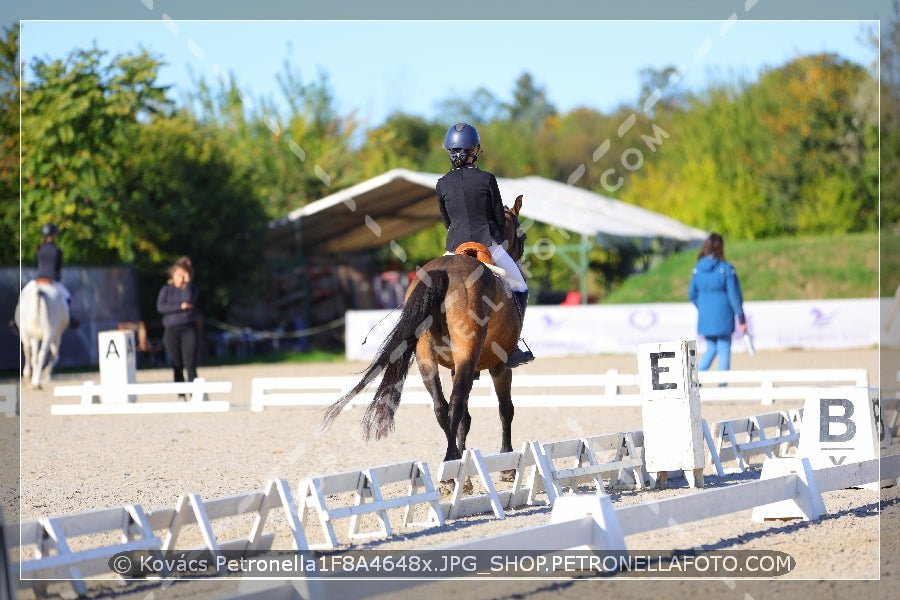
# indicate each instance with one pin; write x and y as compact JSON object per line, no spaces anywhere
{"x":472,"y":210}
{"x":176,"y":301}
{"x":716,"y":292}
{"x":49,"y":258}
{"x":49,"y":255}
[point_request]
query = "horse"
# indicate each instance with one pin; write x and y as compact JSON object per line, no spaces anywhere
{"x":457,"y":314}
{"x":41,"y":317}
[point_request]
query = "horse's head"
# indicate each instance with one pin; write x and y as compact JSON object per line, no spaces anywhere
{"x":513,"y":234}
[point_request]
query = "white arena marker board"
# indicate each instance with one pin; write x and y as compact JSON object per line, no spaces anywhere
{"x":839,"y":426}
{"x":117,"y":365}
{"x":670,"y":409}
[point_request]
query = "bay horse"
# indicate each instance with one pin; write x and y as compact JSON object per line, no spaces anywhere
{"x":457,"y":314}
{"x":41,"y":316}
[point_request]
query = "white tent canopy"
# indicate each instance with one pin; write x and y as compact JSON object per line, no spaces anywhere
{"x":399,"y":202}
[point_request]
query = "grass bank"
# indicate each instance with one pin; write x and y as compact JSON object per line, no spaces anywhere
{"x":802,"y":268}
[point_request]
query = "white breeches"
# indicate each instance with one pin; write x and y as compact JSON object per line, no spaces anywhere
{"x":514,"y":276}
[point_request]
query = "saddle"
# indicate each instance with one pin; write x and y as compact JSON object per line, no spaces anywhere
{"x":475,"y":250}
{"x":43,"y":281}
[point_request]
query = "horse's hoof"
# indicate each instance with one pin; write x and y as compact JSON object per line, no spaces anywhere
{"x":508,"y":476}
{"x":446,"y":489}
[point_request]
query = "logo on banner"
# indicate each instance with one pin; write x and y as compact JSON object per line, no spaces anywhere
{"x":820,"y":319}
{"x":642,"y":319}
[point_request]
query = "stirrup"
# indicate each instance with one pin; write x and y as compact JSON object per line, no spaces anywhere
{"x":519,"y":357}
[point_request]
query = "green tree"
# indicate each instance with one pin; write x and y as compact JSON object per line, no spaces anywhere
{"x":403,"y":141}
{"x":202,"y":206}
{"x":9,"y":146}
{"x":479,"y":108}
{"x":658,"y":93}
{"x":80,"y":118}
{"x":818,"y":126}
{"x":890,"y":122}
{"x":291,"y":158}
{"x":791,"y":153}
{"x":529,"y":105}
{"x":130,"y":180}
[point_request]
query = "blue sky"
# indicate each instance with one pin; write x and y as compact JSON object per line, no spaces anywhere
{"x":376,"y":67}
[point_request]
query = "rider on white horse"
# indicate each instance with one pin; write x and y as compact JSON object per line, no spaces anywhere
{"x":49,"y":266}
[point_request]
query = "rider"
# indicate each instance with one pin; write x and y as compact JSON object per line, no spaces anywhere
{"x":49,"y":266}
{"x":472,"y":209}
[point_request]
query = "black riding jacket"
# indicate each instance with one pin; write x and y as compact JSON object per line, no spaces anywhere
{"x":471,"y":207}
{"x":49,"y":261}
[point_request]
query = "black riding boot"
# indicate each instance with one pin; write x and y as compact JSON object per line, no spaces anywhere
{"x":73,"y":322}
{"x":517,"y":356}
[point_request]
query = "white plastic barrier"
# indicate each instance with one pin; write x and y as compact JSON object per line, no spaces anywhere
{"x":369,"y":497}
{"x":615,"y":457}
{"x":610,"y":388}
{"x":528,"y":390}
{"x":45,"y":551}
{"x":192,"y":510}
{"x":739,"y":439}
{"x":463,"y":502}
{"x":90,"y":393}
{"x":774,"y":384}
{"x":9,"y":400}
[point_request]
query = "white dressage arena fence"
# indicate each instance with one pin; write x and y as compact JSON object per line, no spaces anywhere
{"x":616,"y":458}
{"x":590,"y":522}
{"x":790,"y":487}
{"x":528,"y":390}
{"x":9,"y":400}
{"x":118,"y":389}
{"x":775,"y":384}
{"x":367,"y":487}
{"x":467,"y":500}
{"x":46,"y":552}
{"x":611,"y":388}
{"x":196,"y":394}
{"x":770,"y":434}
{"x":79,"y":545}
{"x":192,"y":510}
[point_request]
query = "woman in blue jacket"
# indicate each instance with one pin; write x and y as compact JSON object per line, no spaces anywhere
{"x":716,"y":292}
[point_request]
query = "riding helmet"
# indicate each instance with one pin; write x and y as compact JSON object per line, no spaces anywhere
{"x":49,"y":229}
{"x":462,"y":141}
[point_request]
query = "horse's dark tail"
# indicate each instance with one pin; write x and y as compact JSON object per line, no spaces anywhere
{"x":394,"y":357}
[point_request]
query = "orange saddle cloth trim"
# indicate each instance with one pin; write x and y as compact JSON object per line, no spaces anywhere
{"x":475,"y":250}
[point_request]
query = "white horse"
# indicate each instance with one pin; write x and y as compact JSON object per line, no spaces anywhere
{"x":42,"y":316}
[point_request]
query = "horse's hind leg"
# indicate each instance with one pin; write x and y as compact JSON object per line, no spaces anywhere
{"x":38,"y":356}
{"x":502,"y":377}
{"x":428,"y":369}
{"x":463,"y":431}
{"x":52,"y":359}
{"x":26,"y":369}
{"x":463,"y":376}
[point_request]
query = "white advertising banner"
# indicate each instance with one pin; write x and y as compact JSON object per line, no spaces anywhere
{"x":620,"y":328}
